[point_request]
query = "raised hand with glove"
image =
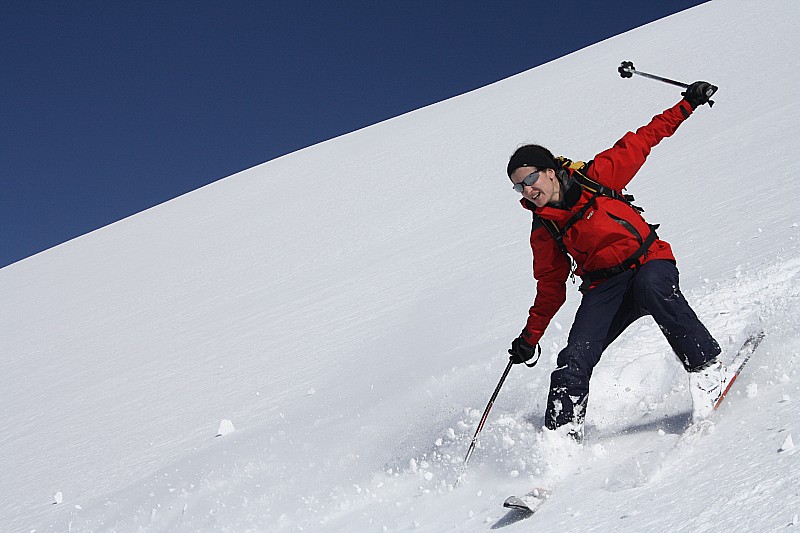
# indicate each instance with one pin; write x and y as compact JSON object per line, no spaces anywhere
{"x":699,"y":93}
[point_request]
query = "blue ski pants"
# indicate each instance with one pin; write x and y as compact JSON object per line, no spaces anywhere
{"x":604,"y":313}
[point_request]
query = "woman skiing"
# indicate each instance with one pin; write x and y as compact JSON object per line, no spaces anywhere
{"x":584,"y":225}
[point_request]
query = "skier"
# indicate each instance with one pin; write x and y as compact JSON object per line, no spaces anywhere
{"x":627,"y":271}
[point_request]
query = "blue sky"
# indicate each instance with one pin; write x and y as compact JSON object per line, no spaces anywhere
{"x":111,"y":107}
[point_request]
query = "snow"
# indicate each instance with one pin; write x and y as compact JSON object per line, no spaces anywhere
{"x":349,"y":306}
{"x":225,"y":428}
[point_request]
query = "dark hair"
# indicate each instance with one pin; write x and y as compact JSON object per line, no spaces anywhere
{"x":531,"y":155}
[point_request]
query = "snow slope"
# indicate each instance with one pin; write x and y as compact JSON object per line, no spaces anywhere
{"x":348,"y":308}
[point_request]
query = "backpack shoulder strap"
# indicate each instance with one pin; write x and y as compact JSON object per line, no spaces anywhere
{"x":557,"y":236}
{"x":580,"y":170}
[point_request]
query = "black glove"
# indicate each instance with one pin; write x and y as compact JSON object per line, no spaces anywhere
{"x":521,"y":352}
{"x":699,"y":93}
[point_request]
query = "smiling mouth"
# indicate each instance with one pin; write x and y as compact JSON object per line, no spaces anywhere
{"x":536,"y":195}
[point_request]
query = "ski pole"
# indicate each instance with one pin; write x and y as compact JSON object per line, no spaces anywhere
{"x":626,"y":70}
{"x":486,"y":414}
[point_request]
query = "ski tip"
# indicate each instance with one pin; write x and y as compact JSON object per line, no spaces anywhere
{"x":529,"y":503}
{"x":517,"y":504}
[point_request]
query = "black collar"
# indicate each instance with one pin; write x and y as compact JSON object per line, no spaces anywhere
{"x":571,"y":190}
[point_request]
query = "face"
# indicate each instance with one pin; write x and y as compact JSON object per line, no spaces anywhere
{"x":543,"y":191}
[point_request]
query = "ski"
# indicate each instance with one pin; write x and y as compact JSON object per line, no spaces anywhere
{"x":739,"y":361}
{"x":530,"y":503}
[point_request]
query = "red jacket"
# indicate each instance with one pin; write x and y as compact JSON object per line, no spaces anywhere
{"x":598,"y":240}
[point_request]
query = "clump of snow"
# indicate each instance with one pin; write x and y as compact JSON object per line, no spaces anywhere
{"x":225,"y":428}
{"x":788,"y":444}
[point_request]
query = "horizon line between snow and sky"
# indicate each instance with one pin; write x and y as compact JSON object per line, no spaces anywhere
{"x":113,"y":108}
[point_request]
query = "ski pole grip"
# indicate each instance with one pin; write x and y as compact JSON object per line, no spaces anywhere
{"x":626,"y":69}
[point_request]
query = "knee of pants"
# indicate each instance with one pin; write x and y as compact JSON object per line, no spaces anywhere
{"x":580,"y":357}
{"x":575,"y":365}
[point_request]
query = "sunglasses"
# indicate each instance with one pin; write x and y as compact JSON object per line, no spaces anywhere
{"x":529,"y":180}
